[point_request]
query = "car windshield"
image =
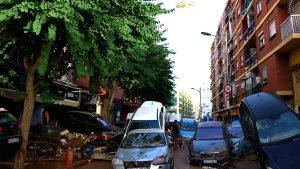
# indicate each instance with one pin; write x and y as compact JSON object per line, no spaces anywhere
{"x":142,"y":140}
{"x":143,"y":124}
{"x":278,"y":127}
{"x":210,"y":133}
{"x":187,"y":126}
{"x":6,"y":117}
{"x":236,"y":132}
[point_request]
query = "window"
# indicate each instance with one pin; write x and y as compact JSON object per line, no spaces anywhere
{"x":258,"y":7}
{"x":261,"y":38}
{"x":242,"y":60}
{"x":272,"y":28}
{"x":264,"y":74}
{"x":240,"y":34}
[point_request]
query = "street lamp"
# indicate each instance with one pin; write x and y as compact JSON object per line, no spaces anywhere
{"x":209,"y":34}
{"x":200,"y":105}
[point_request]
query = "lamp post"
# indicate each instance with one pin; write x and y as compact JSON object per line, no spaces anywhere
{"x":200,"y":105}
{"x":209,"y":34}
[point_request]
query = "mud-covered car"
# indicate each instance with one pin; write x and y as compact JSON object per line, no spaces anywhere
{"x":240,"y":146}
{"x":187,"y":129}
{"x":144,"y":148}
{"x":210,"y":145}
{"x":10,"y":134}
{"x":86,"y":123}
{"x":273,"y":129}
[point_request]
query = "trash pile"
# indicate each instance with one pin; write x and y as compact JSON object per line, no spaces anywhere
{"x":64,"y":145}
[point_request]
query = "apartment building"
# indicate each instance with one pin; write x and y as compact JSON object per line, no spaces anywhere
{"x":256,"y":48}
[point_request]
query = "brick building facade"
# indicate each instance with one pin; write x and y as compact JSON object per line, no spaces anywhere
{"x":255,"y":49}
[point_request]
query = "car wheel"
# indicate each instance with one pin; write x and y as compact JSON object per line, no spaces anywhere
{"x":194,"y":162}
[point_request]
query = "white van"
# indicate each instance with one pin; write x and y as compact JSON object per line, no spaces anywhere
{"x":151,"y":114}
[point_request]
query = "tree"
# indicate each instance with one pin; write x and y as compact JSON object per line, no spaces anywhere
{"x":151,"y":78}
{"x":101,"y":38}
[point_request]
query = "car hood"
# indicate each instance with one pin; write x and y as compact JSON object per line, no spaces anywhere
{"x":187,"y":134}
{"x":140,"y":154}
{"x":208,"y":146}
{"x":285,"y":155}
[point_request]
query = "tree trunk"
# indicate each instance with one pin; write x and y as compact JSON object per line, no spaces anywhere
{"x":29,"y":100}
{"x":107,"y":101}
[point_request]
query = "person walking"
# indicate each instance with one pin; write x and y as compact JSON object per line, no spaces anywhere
{"x":175,"y":134}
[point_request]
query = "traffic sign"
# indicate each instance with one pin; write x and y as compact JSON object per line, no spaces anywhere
{"x":227,"y":88}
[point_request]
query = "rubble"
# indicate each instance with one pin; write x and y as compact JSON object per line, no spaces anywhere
{"x":54,"y":144}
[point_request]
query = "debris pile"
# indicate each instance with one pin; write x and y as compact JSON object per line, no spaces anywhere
{"x":61,"y":144}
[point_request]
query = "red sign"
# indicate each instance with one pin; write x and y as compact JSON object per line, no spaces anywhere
{"x":227,"y":88}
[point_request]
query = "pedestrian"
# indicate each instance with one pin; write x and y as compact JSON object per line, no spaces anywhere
{"x":175,"y":134}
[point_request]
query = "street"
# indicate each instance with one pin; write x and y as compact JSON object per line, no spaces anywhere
{"x":181,"y":162}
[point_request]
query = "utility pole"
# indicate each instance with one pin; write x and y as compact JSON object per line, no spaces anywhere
{"x":200,"y":104}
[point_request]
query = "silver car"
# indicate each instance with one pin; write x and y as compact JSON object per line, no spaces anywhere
{"x":144,"y":149}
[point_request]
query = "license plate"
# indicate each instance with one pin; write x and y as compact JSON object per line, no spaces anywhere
{"x":209,"y":161}
{"x":13,"y":140}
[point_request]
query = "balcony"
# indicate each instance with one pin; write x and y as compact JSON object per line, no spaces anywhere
{"x":290,"y":26}
{"x":252,"y":60}
{"x":245,"y":5}
{"x":249,"y":30}
{"x":290,"y":34}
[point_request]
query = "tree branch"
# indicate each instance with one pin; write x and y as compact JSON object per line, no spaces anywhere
{"x":36,"y":63}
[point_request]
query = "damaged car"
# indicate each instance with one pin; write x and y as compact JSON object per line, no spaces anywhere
{"x":187,"y":129}
{"x":273,"y":129}
{"x":144,"y":148}
{"x":10,"y":134}
{"x":87,"y":123}
{"x":210,"y":145}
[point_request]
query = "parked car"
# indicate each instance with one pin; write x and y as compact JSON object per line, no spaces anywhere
{"x":241,"y":147}
{"x":10,"y":134}
{"x":148,"y":116}
{"x":144,"y":148}
{"x":187,"y":128}
{"x":210,"y":145}
{"x":273,"y":129}
{"x":86,"y":123}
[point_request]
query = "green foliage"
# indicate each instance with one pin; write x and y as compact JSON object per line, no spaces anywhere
{"x":113,"y":41}
{"x":48,"y":98}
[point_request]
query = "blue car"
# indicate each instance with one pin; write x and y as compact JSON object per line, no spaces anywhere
{"x":187,"y":129}
{"x":210,"y":145}
{"x":241,"y":146}
{"x":273,"y":129}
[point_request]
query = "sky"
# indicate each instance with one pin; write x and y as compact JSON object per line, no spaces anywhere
{"x":192,"y":58}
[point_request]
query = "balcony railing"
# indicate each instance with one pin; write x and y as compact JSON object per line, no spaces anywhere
{"x":248,"y":32}
{"x":251,"y":61}
{"x":246,"y":4}
{"x":290,"y":25}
